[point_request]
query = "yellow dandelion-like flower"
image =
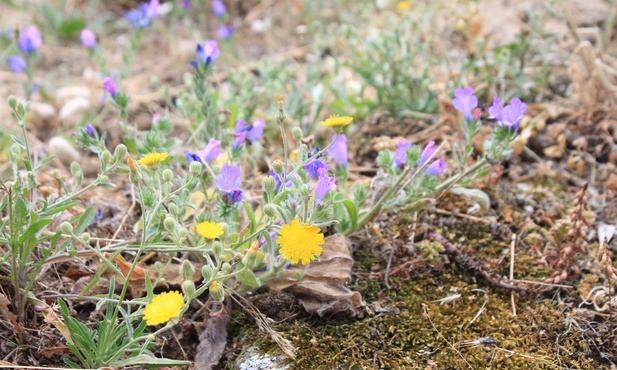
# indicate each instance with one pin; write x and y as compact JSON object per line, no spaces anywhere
{"x":403,"y":5}
{"x":336,"y":121}
{"x":163,"y":308}
{"x":152,"y":159}
{"x":209,"y":230}
{"x":300,"y":243}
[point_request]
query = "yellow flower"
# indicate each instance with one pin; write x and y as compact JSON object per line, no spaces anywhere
{"x":300,"y":243}
{"x":336,"y":121}
{"x":163,"y":308}
{"x":152,"y":159}
{"x":209,"y":230}
{"x":403,"y":5}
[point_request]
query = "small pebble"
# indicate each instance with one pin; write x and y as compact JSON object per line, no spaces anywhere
{"x":61,"y":148}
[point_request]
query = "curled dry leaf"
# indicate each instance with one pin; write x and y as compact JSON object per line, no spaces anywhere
{"x":212,"y":341}
{"x":323,"y":286}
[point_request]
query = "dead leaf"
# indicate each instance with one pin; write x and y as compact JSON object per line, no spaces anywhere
{"x":59,"y":350}
{"x":139,"y":273}
{"x":323,"y":286}
{"x":212,"y":341}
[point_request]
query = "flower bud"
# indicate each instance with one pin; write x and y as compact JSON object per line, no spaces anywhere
{"x":195,"y":168}
{"x":104,"y":178}
{"x":75,"y":167}
{"x":297,"y":133}
{"x":226,"y":268}
{"x":270,"y":210}
{"x":277,"y":166}
{"x":169,"y":223}
{"x":225,"y":228}
{"x":173,"y":208}
{"x":12,"y":102}
{"x":85,"y":237}
{"x":268,"y":184}
{"x":131,"y":162}
{"x":119,"y":152}
{"x":250,"y":258}
{"x":20,"y":111}
{"x":167,"y":175}
{"x":216,"y":291}
{"x":280,"y":112}
{"x":188,"y":288}
{"x":206,"y":272}
{"x":217,"y":249}
{"x":105,"y":158}
{"x":187,"y":270}
{"x":66,"y":228}
{"x":183,"y":232}
{"x":134,"y":177}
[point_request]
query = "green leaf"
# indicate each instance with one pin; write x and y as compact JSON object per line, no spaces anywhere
{"x":248,"y":279}
{"x":280,"y":197}
{"x":84,"y":220}
{"x":18,"y":142}
{"x":33,"y":229}
{"x":251,"y":216}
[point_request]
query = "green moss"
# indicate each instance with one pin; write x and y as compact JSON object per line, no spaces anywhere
{"x":427,"y":332}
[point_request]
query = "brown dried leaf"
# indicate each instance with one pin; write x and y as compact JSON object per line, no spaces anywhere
{"x":212,"y":341}
{"x":323,"y":286}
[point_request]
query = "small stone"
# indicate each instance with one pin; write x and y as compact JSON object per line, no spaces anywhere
{"x":74,"y":108}
{"x":41,"y":110}
{"x":68,"y":93}
{"x":61,"y":148}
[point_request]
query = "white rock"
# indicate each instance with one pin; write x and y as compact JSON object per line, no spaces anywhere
{"x":42,"y":110}
{"x":67,"y":93}
{"x":74,"y":107}
{"x":61,"y":148}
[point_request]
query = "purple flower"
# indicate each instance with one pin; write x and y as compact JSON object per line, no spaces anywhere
{"x":142,"y":16}
{"x":272,"y":234}
{"x":278,"y":180}
{"x":496,"y":110}
{"x":232,"y":197}
{"x":88,"y":38}
{"x":190,"y":157}
{"x":225,"y":31}
{"x":90,"y":130}
{"x":436,"y":168}
{"x":325,"y":183}
{"x":229,"y":178}
{"x":185,"y":4}
{"x":465,"y":101}
{"x":400,"y":155}
{"x":218,"y":8}
{"x":313,"y":167}
{"x":211,"y":151}
{"x":252,"y":132}
{"x":110,"y":86}
{"x":16,"y":64}
{"x":338,"y":150}
{"x":508,"y":116}
{"x":427,"y":153}
{"x":29,"y":40}
{"x":238,"y":140}
{"x":207,"y":53}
